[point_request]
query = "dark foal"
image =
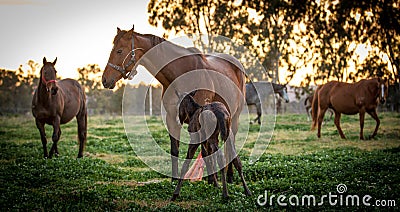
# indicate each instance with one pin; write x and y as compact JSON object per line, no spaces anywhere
{"x":57,"y":102}
{"x":206,"y":123}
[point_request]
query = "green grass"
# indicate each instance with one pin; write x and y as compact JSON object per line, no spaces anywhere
{"x":112,"y":177}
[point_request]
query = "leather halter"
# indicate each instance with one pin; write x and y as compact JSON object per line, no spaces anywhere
{"x":47,"y":81}
{"x":122,"y":69}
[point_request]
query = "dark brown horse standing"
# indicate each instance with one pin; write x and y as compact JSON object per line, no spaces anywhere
{"x":349,"y":98}
{"x":206,"y":123}
{"x":130,"y":46}
{"x":57,"y":102}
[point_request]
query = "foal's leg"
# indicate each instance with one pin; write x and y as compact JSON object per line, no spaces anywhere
{"x":337,"y":123}
{"x":56,"y":136}
{"x":185,"y":167}
{"x":40,"y":126}
{"x":374,"y":115}
{"x":231,"y":152}
{"x":221,"y":165}
{"x":362,"y":116}
{"x":81,"y":118}
{"x":212,"y":176}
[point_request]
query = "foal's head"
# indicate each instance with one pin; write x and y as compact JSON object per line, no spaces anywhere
{"x":48,"y":76}
{"x":187,"y":106}
{"x":383,"y":89}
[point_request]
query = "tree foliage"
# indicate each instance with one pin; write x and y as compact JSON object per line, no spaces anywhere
{"x":288,"y":35}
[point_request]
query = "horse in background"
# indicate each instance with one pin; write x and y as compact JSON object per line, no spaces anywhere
{"x":253,"y":97}
{"x":308,"y":106}
{"x":206,"y":124}
{"x":349,"y":98}
{"x":58,"y":102}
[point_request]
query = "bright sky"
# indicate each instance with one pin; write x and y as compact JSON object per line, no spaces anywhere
{"x":78,"y":32}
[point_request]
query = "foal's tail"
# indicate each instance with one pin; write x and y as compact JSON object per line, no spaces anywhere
{"x":224,"y":125}
{"x":314,"y":110}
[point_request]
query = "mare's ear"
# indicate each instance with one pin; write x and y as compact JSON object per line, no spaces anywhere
{"x":44,"y":60}
{"x":118,"y":30}
{"x":54,"y":62}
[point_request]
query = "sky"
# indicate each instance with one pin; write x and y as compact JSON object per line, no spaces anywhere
{"x":77,"y":32}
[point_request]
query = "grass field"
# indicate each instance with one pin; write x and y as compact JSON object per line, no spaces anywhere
{"x":111,"y":177}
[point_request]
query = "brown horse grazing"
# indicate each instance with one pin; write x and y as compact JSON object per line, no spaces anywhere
{"x":206,"y":123}
{"x":350,"y":99}
{"x":167,"y":62}
{"x":57,"y":102}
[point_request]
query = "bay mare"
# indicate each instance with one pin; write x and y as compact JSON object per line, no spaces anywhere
{"x":170,"y":64}
{"x":263,"y":89}
{"x":349,"y":98}
{"x":58,"y":102}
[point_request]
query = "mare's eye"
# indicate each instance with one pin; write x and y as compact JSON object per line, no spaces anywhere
{"x":119,"y":51}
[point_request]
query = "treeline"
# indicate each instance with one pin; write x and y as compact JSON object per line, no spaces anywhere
{"x":17,"y":88}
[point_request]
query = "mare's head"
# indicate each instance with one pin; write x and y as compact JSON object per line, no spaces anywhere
{"x":281,"y":90}
{"x":122,"y":59}
{"x":383,"y":89}
{"x":48,"y":76}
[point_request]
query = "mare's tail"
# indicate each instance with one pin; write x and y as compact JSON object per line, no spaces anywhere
{"x":314,"y":110}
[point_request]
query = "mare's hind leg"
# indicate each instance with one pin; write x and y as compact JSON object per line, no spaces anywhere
{"x":258,"y":106}
{"x":81,"y":118}
{"x":374,"y":115}
{"x":40,"y":126}
{"x":185,"y":167}
{"x":337,"y":124}
{"x":320,"y":119}
{"x":362,"y":116}
{"x":56,"y":136}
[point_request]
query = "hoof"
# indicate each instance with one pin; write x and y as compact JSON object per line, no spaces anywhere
{"x":174,"y":196}
{"x":248,"y":193}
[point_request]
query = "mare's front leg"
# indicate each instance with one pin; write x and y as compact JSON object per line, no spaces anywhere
{"x":374,"y":115}
{"x":56,"y":136}
{"x":81,"y":118}
{"x":174,"y":135}
{"x":40,"y":126}
{"x":185,"y":167}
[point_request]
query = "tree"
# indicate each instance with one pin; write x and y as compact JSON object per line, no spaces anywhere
{"x":265,"y":28}
{"x":290,"y":34}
